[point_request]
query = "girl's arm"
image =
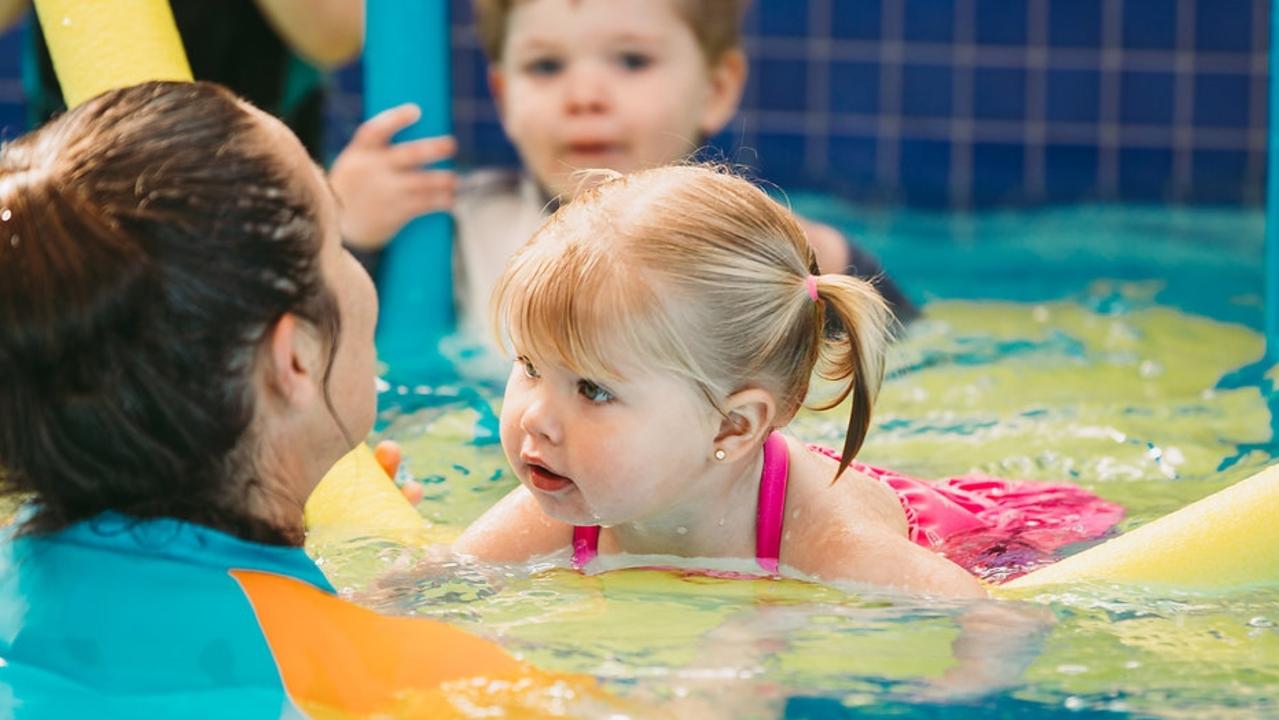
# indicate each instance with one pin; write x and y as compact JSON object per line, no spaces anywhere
{"x":513,"y":530}
{"x":880,"y":557}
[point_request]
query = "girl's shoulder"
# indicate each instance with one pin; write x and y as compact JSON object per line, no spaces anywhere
{"x":513,"y":530}
{"x":824,"y":517}
{"x":853,"y":497}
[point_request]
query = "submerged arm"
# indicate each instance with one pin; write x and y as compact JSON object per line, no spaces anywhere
{"x":996,"y":642}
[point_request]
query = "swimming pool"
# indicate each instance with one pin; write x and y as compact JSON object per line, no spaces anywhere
{"x":1080,"y":343}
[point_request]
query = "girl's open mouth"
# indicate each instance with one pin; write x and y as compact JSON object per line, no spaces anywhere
{"x":545,"y":480}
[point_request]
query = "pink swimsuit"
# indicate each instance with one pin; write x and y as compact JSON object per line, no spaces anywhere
{"x":997,"y":529}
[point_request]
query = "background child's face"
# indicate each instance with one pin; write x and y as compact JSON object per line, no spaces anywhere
{"x":618,"y":84}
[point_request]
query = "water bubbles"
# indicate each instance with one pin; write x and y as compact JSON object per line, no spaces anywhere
{"x":1150,"y":369}
{"x":66,"y":21}
{"x":1074,"y":702}
{"x":15,"y":240}
{"x":681,"y":530}
{"x":6,"y":214}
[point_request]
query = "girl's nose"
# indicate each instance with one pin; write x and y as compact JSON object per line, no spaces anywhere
{"x":539,"y":419}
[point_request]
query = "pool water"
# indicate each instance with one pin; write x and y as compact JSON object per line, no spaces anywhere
{"x":1113,"y":347}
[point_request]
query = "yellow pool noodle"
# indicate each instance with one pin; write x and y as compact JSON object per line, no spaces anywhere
{"x":1228,"y":539}
{"x":357,"y":499}
{"x":99,"y":45}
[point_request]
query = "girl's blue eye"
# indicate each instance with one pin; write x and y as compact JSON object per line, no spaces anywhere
{"x":593,"y":392}
{"x":635,"y":61}
{"x":543,"y":66}
{"x":529,"y":370}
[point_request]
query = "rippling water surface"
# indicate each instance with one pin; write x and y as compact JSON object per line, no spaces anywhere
{"x":1111,"y":347}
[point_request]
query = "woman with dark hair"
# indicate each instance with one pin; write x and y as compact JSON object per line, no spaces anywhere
{"x":185,"y":349}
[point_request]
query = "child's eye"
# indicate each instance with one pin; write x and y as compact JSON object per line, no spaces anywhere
{"x":635,"y":60}
{"x":545,"y":66}
{"x":529,"y":370}
{"x":594,"y":393}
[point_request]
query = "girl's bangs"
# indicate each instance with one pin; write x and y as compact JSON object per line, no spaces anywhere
{"x":575,"y":304}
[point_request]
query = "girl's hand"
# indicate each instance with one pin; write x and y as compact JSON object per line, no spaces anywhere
{"x":382,"y":186}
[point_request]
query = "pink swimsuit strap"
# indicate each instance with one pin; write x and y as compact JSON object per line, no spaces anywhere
{"x":769,"y":514}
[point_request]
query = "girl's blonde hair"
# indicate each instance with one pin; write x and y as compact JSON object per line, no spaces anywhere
{"x":694,"y":271}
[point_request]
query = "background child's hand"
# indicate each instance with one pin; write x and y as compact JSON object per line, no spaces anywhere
{"x":382,"y":186}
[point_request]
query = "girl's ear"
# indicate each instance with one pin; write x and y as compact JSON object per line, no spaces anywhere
{"x":749,"y":416}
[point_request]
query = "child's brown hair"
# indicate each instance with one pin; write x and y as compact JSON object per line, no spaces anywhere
{"x":699,"y":273}
{"x":717,"y":24}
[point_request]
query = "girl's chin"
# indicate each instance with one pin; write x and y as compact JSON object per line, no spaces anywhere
{"x":566,"y":508}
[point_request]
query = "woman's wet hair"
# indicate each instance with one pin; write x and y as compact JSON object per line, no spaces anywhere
{"x":696,"y":272}
{"x":149,"y":241}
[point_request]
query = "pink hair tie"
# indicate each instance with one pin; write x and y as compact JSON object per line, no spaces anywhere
{"x":811,"y":283}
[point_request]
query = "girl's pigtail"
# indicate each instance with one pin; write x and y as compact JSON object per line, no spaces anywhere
{"x":853,"y":353}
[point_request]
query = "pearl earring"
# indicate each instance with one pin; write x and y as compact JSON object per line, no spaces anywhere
{"x":720,"y":454}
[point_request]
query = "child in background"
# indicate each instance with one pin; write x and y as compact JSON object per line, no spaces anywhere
{"x":666,"y":326}
{"x":618,"y":84}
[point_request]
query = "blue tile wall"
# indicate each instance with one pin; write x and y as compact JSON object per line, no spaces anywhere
{"x":928,"y":21}
{"x":1000,"y":22}
{"x":856,"y":19}
{"x":1145,"y":98}
{"x":1224,"y":25}
{"x":1002,"y":165}
{"x":1075,"y":23}
{"x":857,"y":91}
{"x":949,"y":102}
{"x":999,"y":93}
{"x":1071,"y":171}
{"x":1222,"y":100}
{"x":1074,"y":96}
{"x":1150,"y":24}
{"x":927,"y":90}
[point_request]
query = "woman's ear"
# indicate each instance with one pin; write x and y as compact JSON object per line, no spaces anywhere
{"x":727,"y":80}
{"x":290,"y":362}
{"x":748,"y":418}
